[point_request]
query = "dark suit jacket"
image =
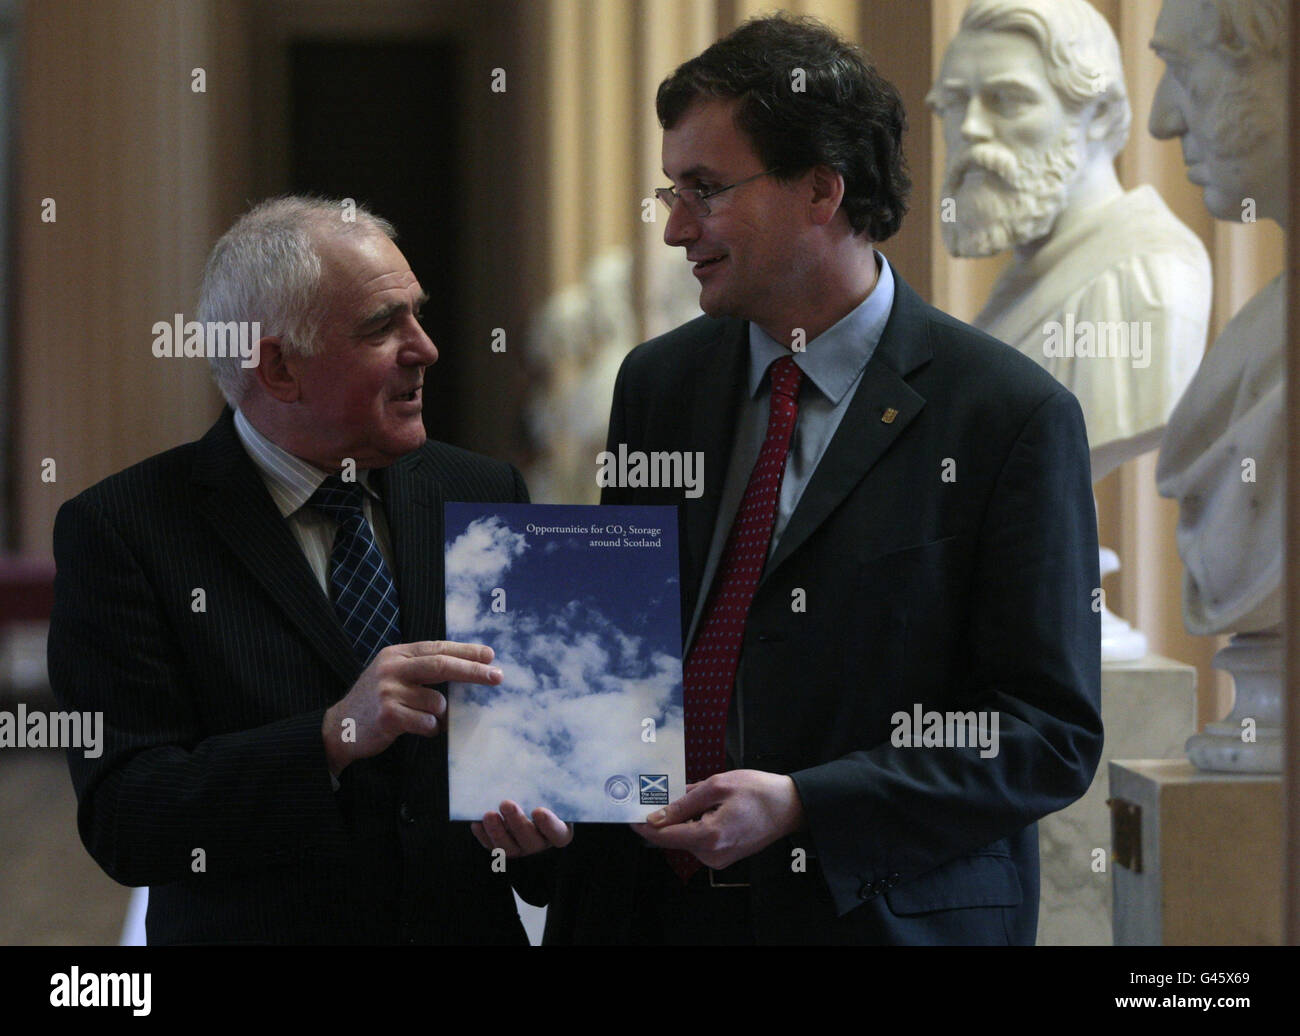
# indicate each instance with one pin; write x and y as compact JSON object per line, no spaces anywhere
{"x":213,"y":708}
{"x":949,"y":558}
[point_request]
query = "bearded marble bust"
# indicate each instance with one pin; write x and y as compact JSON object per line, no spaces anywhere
{"x":1106,"y":289}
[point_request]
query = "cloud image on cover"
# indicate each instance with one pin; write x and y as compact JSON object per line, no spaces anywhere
{"x":588,"y":638}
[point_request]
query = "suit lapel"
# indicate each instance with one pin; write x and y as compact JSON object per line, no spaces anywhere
{"x":413,"y":504}
{"x":868,"y":428}
{"x":717,"y":387}
{"x":233,"y":499}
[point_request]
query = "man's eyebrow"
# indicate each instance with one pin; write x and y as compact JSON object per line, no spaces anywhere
{"x":695,"y":172}
{"x":944,"y":89}
{"x":389,"y":310}
{"x":1010,"y":79}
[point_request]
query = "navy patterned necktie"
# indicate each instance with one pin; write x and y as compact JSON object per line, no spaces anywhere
{"x":363,"y":592}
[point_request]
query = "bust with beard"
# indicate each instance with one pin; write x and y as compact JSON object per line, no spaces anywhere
{"x":1107,"y":289}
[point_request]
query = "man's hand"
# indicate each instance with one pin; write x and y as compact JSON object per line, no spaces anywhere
{"x":512,"y":830}
{"x":727,"y":817}
{"x":393,"y":697}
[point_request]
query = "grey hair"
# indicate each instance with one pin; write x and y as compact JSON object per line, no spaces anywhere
{"x":1079,"y":48}
{"x":1247,"y":30}
{"x":267,"y":268}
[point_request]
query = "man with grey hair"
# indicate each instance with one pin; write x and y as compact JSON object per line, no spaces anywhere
{"x":268,"y":264}
{"x":258,"y":616}
{"x":1106,"y":289}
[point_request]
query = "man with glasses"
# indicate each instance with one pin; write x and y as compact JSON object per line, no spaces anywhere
{"x":892,"y":662}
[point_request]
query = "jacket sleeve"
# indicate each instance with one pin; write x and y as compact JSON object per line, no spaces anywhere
{"x":156,"y":789}
{"x":887,"y":814}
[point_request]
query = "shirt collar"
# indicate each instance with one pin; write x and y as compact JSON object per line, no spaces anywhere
{"x":834,"y":359}
{"x":290,"y":480}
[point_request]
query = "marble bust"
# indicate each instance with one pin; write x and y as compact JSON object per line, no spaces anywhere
{"x":1106,"y":289}
{"x":1223,"y":96}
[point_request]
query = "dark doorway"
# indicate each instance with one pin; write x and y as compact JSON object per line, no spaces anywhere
{"x":377,"y":122}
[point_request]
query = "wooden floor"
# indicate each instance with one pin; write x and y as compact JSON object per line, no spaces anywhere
{"x":51,"y":891}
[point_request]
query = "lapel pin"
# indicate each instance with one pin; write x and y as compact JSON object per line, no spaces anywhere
{"x":888,"y":416}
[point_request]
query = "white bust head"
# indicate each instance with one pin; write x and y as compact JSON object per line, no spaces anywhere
{"x":1223,"y":95}
{"x":1032,"y":98}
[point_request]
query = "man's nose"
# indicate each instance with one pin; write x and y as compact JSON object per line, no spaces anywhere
{"x":420,"y":348}
{"x":975,"y":125}
{"x":1166,"y":119}
{"x":682,"y":228}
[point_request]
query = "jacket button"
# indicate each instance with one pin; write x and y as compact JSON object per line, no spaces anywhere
{"x":406,"y":815}
{"x":867,"y":891}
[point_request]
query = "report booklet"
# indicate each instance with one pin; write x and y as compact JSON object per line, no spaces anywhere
{"x":581,"y":605}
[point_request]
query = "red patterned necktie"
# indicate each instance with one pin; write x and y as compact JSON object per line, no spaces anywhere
{"x":709,"y":674}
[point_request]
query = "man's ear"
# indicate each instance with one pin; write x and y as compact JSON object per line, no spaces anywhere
{"x":1099,"y":119}
{"x":1102,"y":119}
{"x":827,"y":194}
{"x":276,"y":372}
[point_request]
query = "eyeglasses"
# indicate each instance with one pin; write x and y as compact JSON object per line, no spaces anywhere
{"x":694,"y":198}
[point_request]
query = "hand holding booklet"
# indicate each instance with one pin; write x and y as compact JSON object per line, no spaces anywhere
{"x":581,"y":606}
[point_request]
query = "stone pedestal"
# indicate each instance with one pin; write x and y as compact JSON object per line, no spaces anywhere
{"x":1196,"y":857}
{"x":1148,"y":708}
{"x":1248,"y":739}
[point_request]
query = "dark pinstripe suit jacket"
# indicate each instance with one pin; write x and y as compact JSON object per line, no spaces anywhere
{"x":186,"y":612}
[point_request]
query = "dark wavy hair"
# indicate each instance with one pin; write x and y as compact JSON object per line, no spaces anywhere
{"x":846,"y":115}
